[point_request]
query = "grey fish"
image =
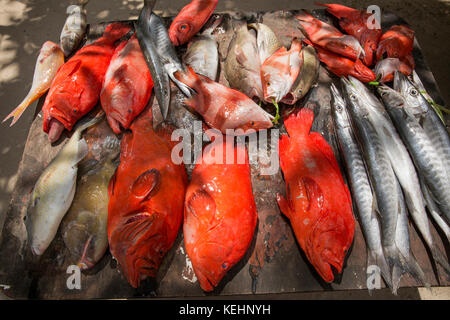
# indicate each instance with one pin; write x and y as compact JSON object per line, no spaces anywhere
{"x":55,"y":190}
{"x":360,"y":185}
{"x":202,"y":54}
{"x":74,"y":28}
{"x":306,"y":78}
{"x":266,"y":40}
{"x":427,"y":159}
{"x":159,"y":75}
{"x":243,"y":65}
{"x":385,"y":185}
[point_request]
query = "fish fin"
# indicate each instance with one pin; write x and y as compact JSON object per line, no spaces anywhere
{"x":83,"y":150}
{"x":202,"y":206}
{"x":439,"y":257}
{"x":299,"y":122}
{"x":337,"y":10}
{"x":19,"y":110}
{"x":283,"y":147}
{"x":112,"y":184}
{"x":313,"y":193}
{"x":377,"y":258}
{"x":325,"y":149}
{"x":284,"y":205}
{"x":189,"y":78}
{"x":146,"y":184}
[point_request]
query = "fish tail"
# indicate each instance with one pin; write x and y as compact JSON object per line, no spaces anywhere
{"x":19,"y":110}
{"x":337,"y":10}
{"x":304,"y":16}
{"x":299,"y":122}
{"x":439,"y":257}
{"x":188,"y":78}
{"x":377,"y":258}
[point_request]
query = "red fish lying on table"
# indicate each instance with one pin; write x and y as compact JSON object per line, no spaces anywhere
{"x":190,"y":20}
{"x":146,"y":199}
{"x":318,"y":203}
{"x":355,"y":23}
{"x":223,"y":108}
{"x":76,"y":87}
{"x":386,"y":68}
{"x":127,"y":86}
{"x":220,"y":215}
{"x":342,"y":66}
{"x":397,"y":42}
{"x":328,"y":37}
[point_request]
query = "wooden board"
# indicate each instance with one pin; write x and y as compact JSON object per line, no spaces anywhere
{"x":274,"y":262}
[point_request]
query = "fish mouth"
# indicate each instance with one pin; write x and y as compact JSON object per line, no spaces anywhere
{"x":36,"y":251}
{"x":400,"y":81}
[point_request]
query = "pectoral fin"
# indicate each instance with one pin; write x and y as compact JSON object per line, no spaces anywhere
{"x":146,"y":183}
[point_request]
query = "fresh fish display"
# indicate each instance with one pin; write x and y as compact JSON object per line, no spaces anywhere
{"x":84,"y":225}
{"x":158,"y":73}
{"x":190,"y":20}
{"x":50,"y":59}
{"x":77,"y":84}
{"x":266,"y":40}
{"x":146,"y":199}
{"x":360,"y":184}
{"x":318,"y":203}
{"x":74,"y":28}
{"x":223,"y":108}
{"x":127,"y":86}
{"x":308,"y":75}
{"x":397,"y":42}
{"x":55,"y":190}
{"x":386,"y":68}
{"x":426,"y":157}
{"x":280,"y":70}
{"x":220,"y":215}
{"x":202,"y":54}
{"x":378,"y":142}
{"x":329,"y":38}
{"x":342,"y":66}
{"x":243,"y":65}
{"x":356,"y":23}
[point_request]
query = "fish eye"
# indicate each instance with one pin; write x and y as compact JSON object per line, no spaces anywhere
{"x":268,"y":83}
{"x":184,"y":27}
{"x":352,"y":97}
{"x":339,"y":107}
{"x":413,"y":92}
{"x":299,"y":91}
{"x":252,"y":123}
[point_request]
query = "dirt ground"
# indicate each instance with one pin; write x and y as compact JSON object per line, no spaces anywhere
{"x":26,"y":24}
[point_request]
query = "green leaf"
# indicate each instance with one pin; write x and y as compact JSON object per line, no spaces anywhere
{"x":277,"y":116}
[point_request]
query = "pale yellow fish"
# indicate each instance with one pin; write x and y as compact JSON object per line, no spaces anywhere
{"x":266,"y":40}
{"x":55,"y":190}
{"x":49,"y":60}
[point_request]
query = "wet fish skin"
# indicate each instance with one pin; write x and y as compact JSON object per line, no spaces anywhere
{"x":387,"y":67}
{"x":397,"y":42}
{"x":425,"y":155}
{"x":158,"y":73}
{"x":74,"y":28}
{"x":308,"y":75}
{"x":55,"y":189}
{"x":242,"y":64}
{"x":360,"y":184}
{"x":50,"y":59}
{"x":383,"y":179}
{"x":266,"y":40}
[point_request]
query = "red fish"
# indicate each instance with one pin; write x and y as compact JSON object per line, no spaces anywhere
{"x":76,"y":87}
{"x":190,"y":20}
{"x":386,"y":68}
{"x":397,"y":42}
{"x":328,"y":37}
{"x":146,"y":200}
{"x":221,"y":107}
{"x":342,"y":66}
{"x":355,"y":23}
{"x":318,"y":203}
{"x":127,"y":86}
{"x":220,"y":214}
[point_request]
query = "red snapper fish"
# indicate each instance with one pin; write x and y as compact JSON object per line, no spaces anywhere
{"x":280,"y":70}
{"x":146,"y":199}
{"x":76,"y":87}
{"x":355,"y":23}
{"x":397,"y":42}
{"x":190,"y":20}
{"x":318,"y":203}
{"x":220,"y":214}
{"x":221,"y":107}
{"x":328,"y":37}
{"x":127,"y":86}
{"x":343,"y":67}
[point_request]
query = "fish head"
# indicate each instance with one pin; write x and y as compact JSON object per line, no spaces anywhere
{"x":249,"y":118}
{"x":82,"y":238}
{"x":407,"y":88}
{"x":181,"y":32}
{"x":339,"y":108}
{"x":355,"y":94}
{"x":385,"y":68}
{"x":390,"y":97}
{"x":362,"y":72}
{"x":274,"y":84}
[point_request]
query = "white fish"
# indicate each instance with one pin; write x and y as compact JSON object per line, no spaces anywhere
{"x":74,"y":28}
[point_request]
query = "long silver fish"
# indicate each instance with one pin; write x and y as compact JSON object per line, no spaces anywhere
{"x":55,"y":190}
{"x":74,"y":27}
{"x":385,"y":185}
{"x":427,"y":159}
{"x":202,"y":53}
{"x":159,"y":75}
{"x":360,"y":184}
